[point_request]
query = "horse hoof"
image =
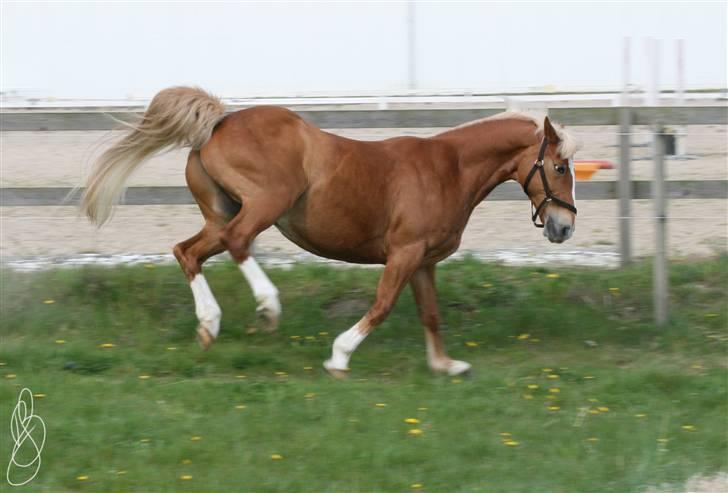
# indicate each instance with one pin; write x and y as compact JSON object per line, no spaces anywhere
{"x":268,"y":318}
{"x":337,"y":373}
{"x":204,"y":338}
{"x":458,"y":368}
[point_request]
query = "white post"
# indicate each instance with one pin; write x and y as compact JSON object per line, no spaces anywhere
{"x":682,"y":131}
{"x":659,"y":271}
{"x":625,"y":71}
{"x":652,"y":47}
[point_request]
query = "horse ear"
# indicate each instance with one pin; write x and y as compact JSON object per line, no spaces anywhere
{"x":550,"y":132}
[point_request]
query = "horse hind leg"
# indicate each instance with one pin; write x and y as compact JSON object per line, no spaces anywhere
{"x":191,"y":254}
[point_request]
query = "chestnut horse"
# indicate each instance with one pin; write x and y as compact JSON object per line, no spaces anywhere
{"x":402,"y":202}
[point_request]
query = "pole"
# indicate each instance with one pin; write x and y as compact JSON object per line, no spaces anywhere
{"x":625,"y":187}
{"x":660,"y":280}
{"x":411,"y":47}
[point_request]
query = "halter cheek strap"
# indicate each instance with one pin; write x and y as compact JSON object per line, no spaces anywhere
{"x":548,"y":194}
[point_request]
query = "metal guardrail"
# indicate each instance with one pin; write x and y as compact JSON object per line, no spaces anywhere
{"x":44,"y":120}
{"x":597,"y":190}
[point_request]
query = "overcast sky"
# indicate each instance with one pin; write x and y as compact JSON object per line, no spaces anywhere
{"x":125,"y":49}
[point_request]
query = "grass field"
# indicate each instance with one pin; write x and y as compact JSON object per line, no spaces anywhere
{"x":573,"y":389}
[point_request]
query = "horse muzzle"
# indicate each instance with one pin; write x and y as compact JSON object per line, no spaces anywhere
{"x":556,"y":231}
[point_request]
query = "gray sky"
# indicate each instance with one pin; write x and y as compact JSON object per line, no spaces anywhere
{"x":102,"y":50}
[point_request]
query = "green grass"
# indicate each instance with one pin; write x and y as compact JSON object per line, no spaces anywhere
{"x":132,"y":434}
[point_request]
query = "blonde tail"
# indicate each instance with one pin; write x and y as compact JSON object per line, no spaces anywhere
{"x":176,"y":117}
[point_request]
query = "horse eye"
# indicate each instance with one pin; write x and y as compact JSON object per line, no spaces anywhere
{"x":560,"y":169}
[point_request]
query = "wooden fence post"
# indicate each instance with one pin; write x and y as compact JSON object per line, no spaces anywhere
{"x":659,"y":271}
{"x":625,"y":187}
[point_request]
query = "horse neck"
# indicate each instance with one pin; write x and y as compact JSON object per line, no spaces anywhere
{"x":488,"y":153}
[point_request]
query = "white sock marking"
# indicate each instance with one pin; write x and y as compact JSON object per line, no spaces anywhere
{"x":266,"y":294}
{"x":344,"y":345}
{"x":206,"y":308}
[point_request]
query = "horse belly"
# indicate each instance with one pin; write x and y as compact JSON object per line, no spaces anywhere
{"x":334,"y":235}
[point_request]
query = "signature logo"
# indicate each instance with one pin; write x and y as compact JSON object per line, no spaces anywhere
{"x":27,"y":442}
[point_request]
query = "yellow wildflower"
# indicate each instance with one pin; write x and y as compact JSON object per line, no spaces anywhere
{"x":196,"y":438}
{"x":603,"y":409}
{"x":107,"y":345}
{"x":415,"y":431}
{"x":49,"y":302}
{"x":553,"y":376}
{"x":523,"y":337}
{"x":186,"y":477}
{"x":552,"y":275}
{"x":511,"y":443}
{"x":276,"y":457}
{"x":82,"y":478}
{"x":532,"y":386}
{"x":380,"y":404}
{"x":416,"y":486}
{"x":186,"y":461}
{"x":39,"y":395}
{"x":471,"y":344}
{"x":688,"y":427}
{"x":412,"y":421}
{"x":240,"y":406}
{"x":144,"y":377}
{"x":555,"y":390}
{"x":554,"y":408}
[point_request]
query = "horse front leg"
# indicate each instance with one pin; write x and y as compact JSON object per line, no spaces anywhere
{"x":423,"y":287}
{"x":397,"y":271}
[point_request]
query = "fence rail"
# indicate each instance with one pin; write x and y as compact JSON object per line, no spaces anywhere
{"x":598,"y":190}
{"x":45,"y":120}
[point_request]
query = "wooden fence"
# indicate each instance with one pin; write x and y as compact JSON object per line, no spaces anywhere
{"x":625,"y":189}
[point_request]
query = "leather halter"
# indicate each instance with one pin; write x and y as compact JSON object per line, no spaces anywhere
{"x":549,"y":196}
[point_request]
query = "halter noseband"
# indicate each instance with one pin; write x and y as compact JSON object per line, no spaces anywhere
{"x":549,"y":196}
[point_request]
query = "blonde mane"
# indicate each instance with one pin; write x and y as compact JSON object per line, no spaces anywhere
{"x":568,"y":146}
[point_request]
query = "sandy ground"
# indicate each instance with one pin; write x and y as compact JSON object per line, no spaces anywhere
{"x":27,"y":159}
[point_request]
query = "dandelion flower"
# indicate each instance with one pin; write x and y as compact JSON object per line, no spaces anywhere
{"x":144,"y":377}
{"x":553,"y":376}
{"x":412,"y":421}
{"x":10,"y":376}
{"x":552,"y":275}
{"x":416,"y":486}
{"x":60,"y":341}
{"x":281,"y":374}
{"x":195,"y":438}
{"x":380,"y":404}
{"x":523,"y":337}
{"x":107,"y":345}
{"x":241,"y":376}
{"x":555,"y":390}
{"x":588,"y":377}
{"x":422,"y":409}
{"x":505,"y":434}
{"x":528,"y":397}
{"x":456,"y":380}
{"x":415,"y":431}
{"x":603,"y":409}
{"x":554,"y":408}
{"x":663,"y":440}
{"x":240,"y":406}
{"x":308,"y":368}
{"x":186,"y":477}
{"x":546,"y":370}
{"x":186,"y":461}
{"x":511,"y":443}
{"x":592,"y":439}
{"x":49,"y":302}
{"x":82,"y":478}
{"x":688,"y":427}
{"x":487,"y":285}
{"x":532,"y":386}
{"x":171,"y":348}
{"x":593,"y":411}
{"x":310,"y":395}
{"x":310,"y":338}
{"x":471,"y":344}
{"x":276,"y":457}
{"x":295,"y":338}
{"x":120,"y":473}
{"x":640,"y":415}
{"x":39,"y":395}
{"x":323,"y":333}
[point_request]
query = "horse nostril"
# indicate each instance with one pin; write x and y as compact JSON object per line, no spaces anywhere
{"x":565,"y":231}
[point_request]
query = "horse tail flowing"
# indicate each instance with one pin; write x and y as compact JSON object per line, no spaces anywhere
{"x":176,"y":117}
